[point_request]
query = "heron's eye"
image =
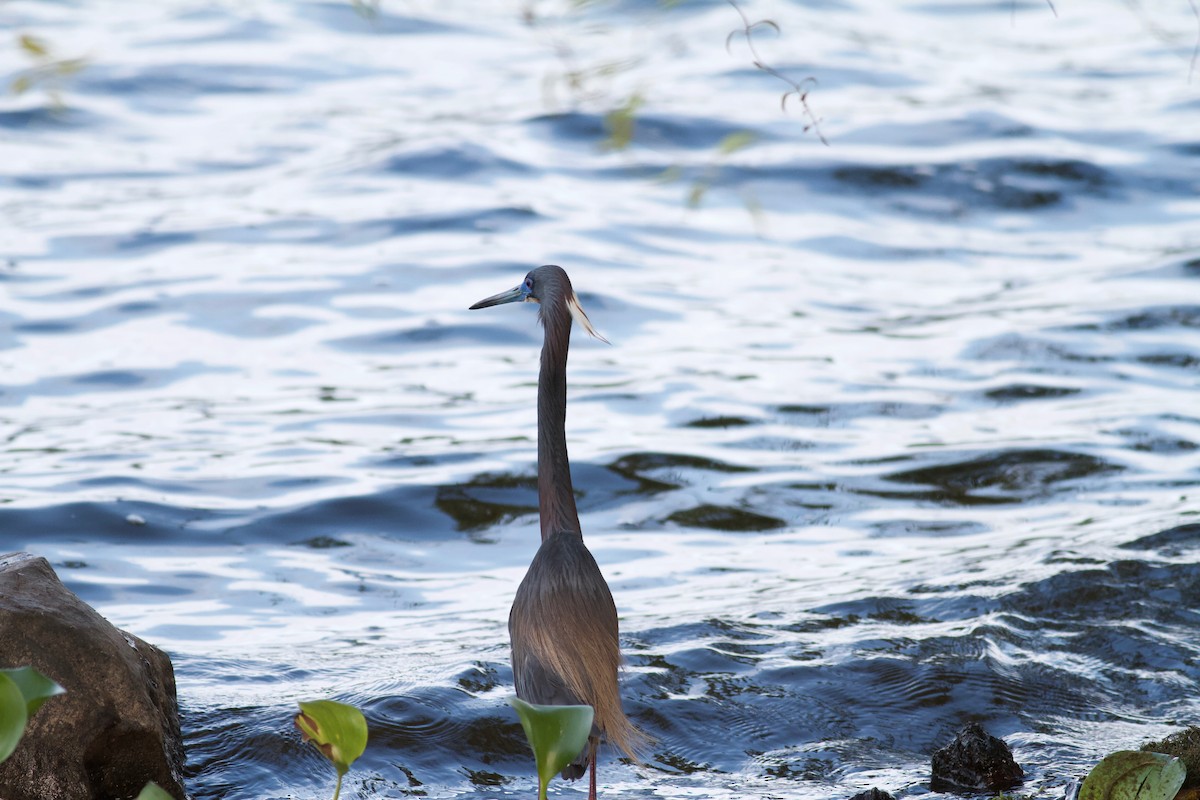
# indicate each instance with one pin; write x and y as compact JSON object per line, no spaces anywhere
{"x":529,"y":284}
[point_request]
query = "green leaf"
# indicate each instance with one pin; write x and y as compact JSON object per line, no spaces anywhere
{"x":152,"y":791}
{"x":339,"y":731}
{"x":1133,"y":775}
{"x":556,"y":733}
{"x":621,"y":122}
{"x":35,"y":687}
{"x":13,"y":715}
{"x":33,"y":46}
{"x":735,"y":141}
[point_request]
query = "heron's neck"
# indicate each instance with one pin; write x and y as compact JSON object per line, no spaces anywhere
{"x":556,"y":496}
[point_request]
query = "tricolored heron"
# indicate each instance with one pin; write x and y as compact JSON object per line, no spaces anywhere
{"x":563,"y":623}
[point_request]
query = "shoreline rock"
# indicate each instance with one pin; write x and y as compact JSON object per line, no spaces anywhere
{"x":116,"y":727}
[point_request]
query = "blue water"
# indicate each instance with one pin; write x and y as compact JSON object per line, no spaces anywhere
{"x":895,"y":433}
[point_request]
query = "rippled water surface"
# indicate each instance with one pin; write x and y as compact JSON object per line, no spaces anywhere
{"x":894,"y":433}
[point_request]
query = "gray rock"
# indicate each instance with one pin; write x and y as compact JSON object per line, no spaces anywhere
{"x":117,"y":726}
{"x":974,"y":762}
{"x":874,"y":793}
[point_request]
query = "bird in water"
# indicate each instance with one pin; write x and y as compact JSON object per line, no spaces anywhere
{"x":563,"y":623}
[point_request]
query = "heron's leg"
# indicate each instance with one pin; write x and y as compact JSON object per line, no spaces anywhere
{"x":592,"y":779}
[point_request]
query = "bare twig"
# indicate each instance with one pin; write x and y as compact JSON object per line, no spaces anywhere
{"x":1167,"y":37}
{"x":799,"y":90}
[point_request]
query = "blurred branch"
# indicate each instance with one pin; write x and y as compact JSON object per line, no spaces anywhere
{"x":798,"y":90}
{"x":621,"y":121}
{"x":47,"y":73}
{"x":1166,"y":37}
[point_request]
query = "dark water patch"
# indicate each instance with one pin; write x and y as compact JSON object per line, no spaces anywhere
{"x":815,"y":496}
{"x":880,"y":609}
{"x":47,"y":118}
{"x":324,"y":543}
{"x":105,"y":381}
{"x":1029,"y":350}
{"x":429,"y":334}
{"x":488,"y":499}
{"x":838,"y":414}
{"x":508,"y":218}
{"x":905,"y":177}
{"x":231,"y":30}
{"x":120,"y":245}
{"x":491,"y":499}
{"x":369,"y":20}
{"x":110,"y":288}
{"x":720,"y":422}
{"x":1009,"y":476}
{"x":116,"y":379}
{"x":237,"y":753}
{"x":725,"y":518}
{"x":478,"y":678}
{"x":856,"y":248}
{"x":923,"y":528}
{"x":416,"y":731}
{"x":234,"y":313}
{"x":660,"y":472}
{"x":181,"y":82}
{"x":401,"y":513}
{"x":44,"y":326}
{"x":968,"y":127}
{"x":962,"y":188}
{"x":651,"y":130}
{"x":651,"y":640}
{"x":410,"y":462}
{"x":779,"y":444}
{"x":1130,"y":590}
{"x":259,"y":487}
{"x":108,"y":522}
{"x":59,"y":180}
{"x":1147,"y":319}
{"x":1175,"y":360}
{"x":1172,"y":542}
{"x":463,"y":161}
{"x":1018,"y":392}
{"x":1151,"y":441}
{"x":297,"y":231}
{"x":832,"y":77}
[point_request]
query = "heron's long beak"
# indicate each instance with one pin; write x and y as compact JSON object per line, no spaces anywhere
{"x":513,"y":295}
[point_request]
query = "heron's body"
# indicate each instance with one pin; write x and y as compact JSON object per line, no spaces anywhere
{"x":563,"y":624}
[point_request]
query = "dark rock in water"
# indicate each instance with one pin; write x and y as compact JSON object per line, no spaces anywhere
{"x":1184,"y":745}
{"x":117,"y":726}
{"x":873,"y":794}
{"x":974,"y":762}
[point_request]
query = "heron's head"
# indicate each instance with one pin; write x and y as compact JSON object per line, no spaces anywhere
{"x":549,"y":286}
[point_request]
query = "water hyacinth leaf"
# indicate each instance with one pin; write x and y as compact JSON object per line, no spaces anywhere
{"x":339,"y":731}
{"x":35,"y":687}
{"x":1134,"y":775}
{"x":152,"y":791}
{"x":13,"y":715}
{"x":557,"y":735}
